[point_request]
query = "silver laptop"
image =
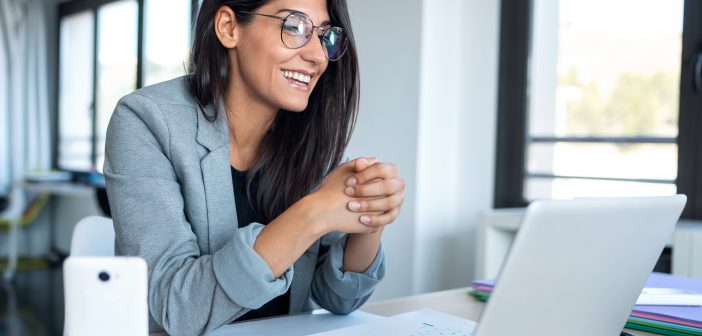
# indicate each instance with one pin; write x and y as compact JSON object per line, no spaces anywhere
{"x":577,"y":267}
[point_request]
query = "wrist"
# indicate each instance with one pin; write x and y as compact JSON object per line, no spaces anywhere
{"x":310,"y":208}
{"x":375,"y":234}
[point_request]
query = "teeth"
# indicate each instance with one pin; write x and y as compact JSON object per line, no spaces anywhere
{"x":297,"y":76}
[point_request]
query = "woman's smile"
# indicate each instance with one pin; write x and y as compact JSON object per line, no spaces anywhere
{"x":298,"y":79}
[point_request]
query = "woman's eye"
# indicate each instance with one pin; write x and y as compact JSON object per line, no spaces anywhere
{"x":294,"y":28}
{"x":291,"y":29}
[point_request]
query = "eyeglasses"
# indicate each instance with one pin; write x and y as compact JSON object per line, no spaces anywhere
{"x":296,"y":31}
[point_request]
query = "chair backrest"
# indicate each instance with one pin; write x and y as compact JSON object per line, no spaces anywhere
{"x":93,"y":236}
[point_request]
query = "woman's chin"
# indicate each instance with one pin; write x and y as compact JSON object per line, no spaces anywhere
{"x":295,"y":106}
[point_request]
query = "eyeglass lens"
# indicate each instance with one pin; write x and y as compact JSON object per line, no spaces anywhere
{"x":297,"y":30}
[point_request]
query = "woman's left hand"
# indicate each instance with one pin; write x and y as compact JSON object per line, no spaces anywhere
{"x":378,"y":189}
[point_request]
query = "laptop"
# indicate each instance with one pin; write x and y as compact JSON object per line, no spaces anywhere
{"x":576,"y":267}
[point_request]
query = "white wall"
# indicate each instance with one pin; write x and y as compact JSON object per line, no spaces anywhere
{"x":457,"y":132}
{"x":428,"y":104}
{"x":388,"y":36}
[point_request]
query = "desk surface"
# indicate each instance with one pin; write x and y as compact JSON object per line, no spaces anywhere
{"x":61,"y":188}
{"x":454,"y":301}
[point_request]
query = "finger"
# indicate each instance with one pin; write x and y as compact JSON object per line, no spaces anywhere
{"x":360,"y":164}
{"x":342,"y":168}
{"x":354,"y":162}
{"x":380,"y":220}
{"x":378,"y":170}
{"x":345,"y":166}
{"x":363,"y":163}
{"x":376,"y":188}
{"x":380,"y":204}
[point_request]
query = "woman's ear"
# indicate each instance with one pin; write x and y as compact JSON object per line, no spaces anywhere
{"x":226,"y":27}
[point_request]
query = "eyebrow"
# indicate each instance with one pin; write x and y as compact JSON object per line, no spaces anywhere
{"x":295,"y":11}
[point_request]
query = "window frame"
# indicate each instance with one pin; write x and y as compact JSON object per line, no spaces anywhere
{"x":690,"y":122}
{"x":515,"y":38}
{"x":512,"y":116}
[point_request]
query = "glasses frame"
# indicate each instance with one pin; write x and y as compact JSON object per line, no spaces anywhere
{"x":320,"y":34}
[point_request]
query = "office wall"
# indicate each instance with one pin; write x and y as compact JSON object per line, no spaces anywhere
{"x":458,"y":118}
{"x":428,"y":103}
{"x":388,"y":35}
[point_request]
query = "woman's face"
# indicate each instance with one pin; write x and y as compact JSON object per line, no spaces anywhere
{"x":262,"y":65}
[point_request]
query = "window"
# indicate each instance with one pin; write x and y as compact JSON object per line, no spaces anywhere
{"x":108,"y":49}
{"x":166,"y":39}
{"x":116,"y":64}
{"x":593,"y":99}
{"x":76,"y":92}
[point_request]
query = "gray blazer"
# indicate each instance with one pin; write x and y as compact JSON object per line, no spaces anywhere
{"x":170,"y":189}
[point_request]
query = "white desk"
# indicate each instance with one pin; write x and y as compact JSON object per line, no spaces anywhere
{"x":454,"y":301}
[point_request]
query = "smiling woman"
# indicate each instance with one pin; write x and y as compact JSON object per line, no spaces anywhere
{"x":229,"y":181}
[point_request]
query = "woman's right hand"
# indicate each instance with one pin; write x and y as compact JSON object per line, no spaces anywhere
{"x":329,"y":203}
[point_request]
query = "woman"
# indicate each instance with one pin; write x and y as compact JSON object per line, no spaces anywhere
{"x":229,"y":181}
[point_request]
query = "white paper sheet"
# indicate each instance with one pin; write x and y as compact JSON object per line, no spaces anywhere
{"x":320,"y":320}
{"x":423,"y":322}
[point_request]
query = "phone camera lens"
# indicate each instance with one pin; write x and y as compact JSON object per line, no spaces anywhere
{"x":104,"y":276}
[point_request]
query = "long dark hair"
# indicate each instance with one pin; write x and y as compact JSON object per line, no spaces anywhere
{"x":300,"y":148}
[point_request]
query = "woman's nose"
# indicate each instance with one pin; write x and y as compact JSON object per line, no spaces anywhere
{"x":313,"y":51}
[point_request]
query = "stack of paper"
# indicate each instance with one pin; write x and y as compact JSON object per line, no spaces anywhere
{"x":669,"y":319}
{"x":664,"y":320}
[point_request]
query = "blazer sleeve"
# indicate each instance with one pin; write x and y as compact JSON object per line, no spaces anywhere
{"x":343,"y":292}
{"x":189,"y":293}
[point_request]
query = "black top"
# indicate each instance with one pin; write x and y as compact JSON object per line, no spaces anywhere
{"x":246,"y":215}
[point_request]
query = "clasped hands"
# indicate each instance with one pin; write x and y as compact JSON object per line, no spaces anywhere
{"x":361,"y":196}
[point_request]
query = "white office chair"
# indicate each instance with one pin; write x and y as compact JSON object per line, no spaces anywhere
{"x":93,"y":236}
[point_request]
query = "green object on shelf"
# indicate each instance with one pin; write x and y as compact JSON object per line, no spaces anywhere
{"x":479,"y":295}
{"x":30,"y":213}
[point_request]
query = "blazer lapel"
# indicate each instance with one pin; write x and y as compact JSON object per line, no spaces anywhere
{"x":217,"y":179}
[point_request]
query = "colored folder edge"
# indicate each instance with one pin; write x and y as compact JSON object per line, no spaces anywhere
{"x":665,"y":319}
{"x":665,"y":325}
{"x":656,"y":330}
{"x":658,"y":319}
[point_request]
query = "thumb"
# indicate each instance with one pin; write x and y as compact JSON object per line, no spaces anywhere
{"x":363,"y":163}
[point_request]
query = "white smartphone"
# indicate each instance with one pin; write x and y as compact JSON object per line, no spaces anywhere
{"x":105,"y":296}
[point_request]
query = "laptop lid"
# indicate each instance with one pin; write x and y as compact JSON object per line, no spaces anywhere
{"x":577,"y":267}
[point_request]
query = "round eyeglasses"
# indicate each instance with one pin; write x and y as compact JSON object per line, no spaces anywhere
{"x":297,"y":29}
